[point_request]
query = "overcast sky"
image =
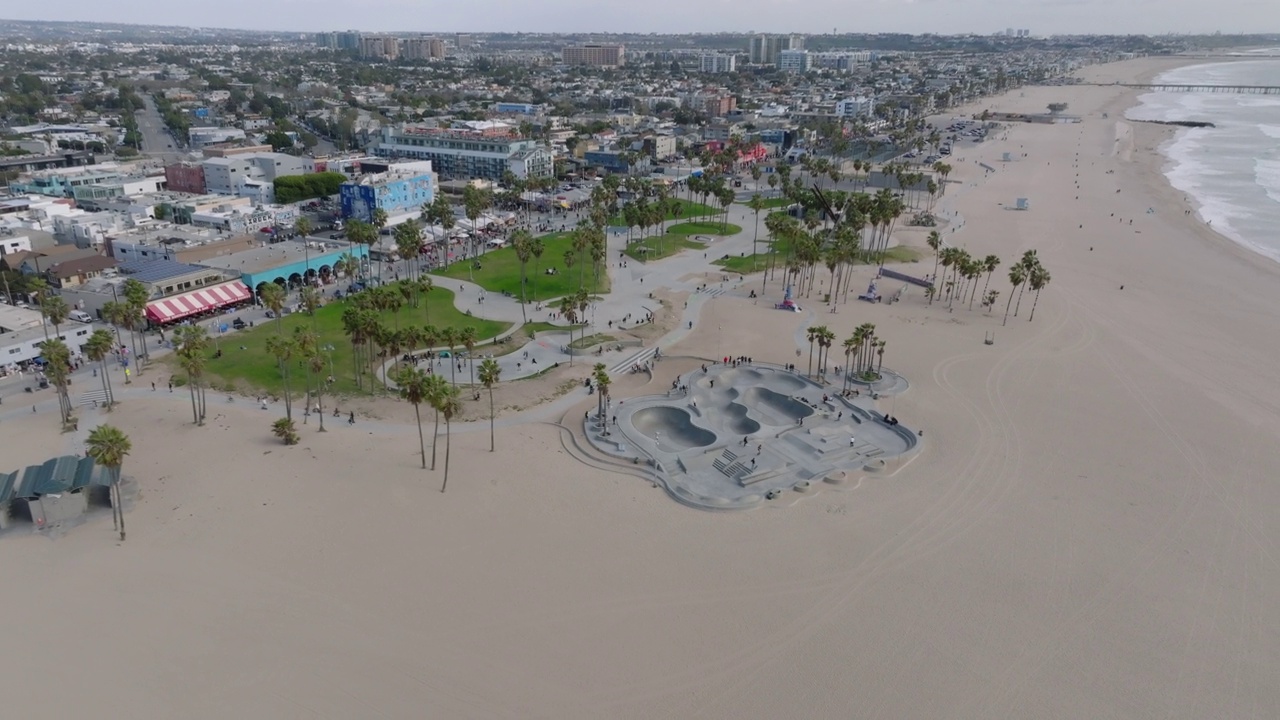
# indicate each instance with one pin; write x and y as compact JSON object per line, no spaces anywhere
{"x":1042,"y":17}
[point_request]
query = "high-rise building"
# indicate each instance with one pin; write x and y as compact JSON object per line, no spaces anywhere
{"x":795,"y":61}
{"x":463,"y":41}
{"x":379,"y":46}
{"x":422,"y":48}
{"x":592,"y":54}
{"x":718,"y":63}
{"x":764,"y":49}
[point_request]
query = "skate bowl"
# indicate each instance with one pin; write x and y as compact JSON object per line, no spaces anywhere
{"x":671,"y":427}
{"x":786,"y":409}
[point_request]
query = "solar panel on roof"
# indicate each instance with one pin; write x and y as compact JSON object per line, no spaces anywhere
{"x":151,"y":271}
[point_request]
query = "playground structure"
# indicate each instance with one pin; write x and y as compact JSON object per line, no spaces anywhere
{"x":738,"y":435}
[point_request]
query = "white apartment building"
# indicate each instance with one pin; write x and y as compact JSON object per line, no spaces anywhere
{"x":718,"y":63}
{"x":855,"y":107}
{"x":795,"y":61}
{"x":222,"y":175}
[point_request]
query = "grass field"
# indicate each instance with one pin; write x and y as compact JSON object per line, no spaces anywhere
{"x":687,"y":209}
{"x":246,"y":363}
{"x":704,"y":228}
{"x":661,"y":246}
{"x":590,"y":340}
{"x":500,"y":271}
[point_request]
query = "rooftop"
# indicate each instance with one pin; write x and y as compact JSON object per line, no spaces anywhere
{"x":13,"y":319}
{"x":152,"y":271}
{"x":265,"y":258}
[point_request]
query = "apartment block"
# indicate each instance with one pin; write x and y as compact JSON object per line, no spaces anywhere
{"x":458,"y":154}
{"x":718,"y":63}
{"x":597,"y":55}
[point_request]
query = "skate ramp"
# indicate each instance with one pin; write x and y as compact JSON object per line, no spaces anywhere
{"x":783,"y":409}
{"x":672,"y":427}
{"x":736,"y":420}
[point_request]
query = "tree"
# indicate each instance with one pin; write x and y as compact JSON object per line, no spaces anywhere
{"x":490,"y":372}
{"x":522,"y":244}
{"x":415,"y":387}
{"x":283,"y":350}
{"x":569,"y":308}
{"x":756,"y":204}
{"x":1038,"y":280}
{"x":136,"y":296}
{"x":436,"y":387}
{"x":109,"y":446}
{"x":55,"y":310}
{"x":302,"y":226}
{"x":57,"y":368}
{"x":446,"y":402}
{"x":467,"y":338}
{"x":989,"y":263}
{"x":192,"y":342}
{"x":284,"y":429}
{"x":812,"y":334}
{"x":600,"y":374}
{"x":408,"y":237}
{"x":98,"y":348}
{"x":1017,"y":276}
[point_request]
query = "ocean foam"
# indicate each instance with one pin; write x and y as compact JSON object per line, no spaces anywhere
{"x":1268,"y":174}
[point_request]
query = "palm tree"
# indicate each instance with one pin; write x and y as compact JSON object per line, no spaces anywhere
{"x":273,"y":297}
{"x":302,"y":226}
{"x":569,"y":308}
{"x":1017,"y":276}
{"x":467,"y":338}
{"x":522,"y":243}
{"x":447,"y":404}
{"x":490,"y":371}
{"x":192,"y":342}
{"x":284,"y":429}
{"x":408,"y":238}
{"x":136,"y":296}
{"x":989,"y":263}
{"x":935,"y":243}
{"x":1039,"y":278}
{"x":1029,"y":262}
{"x":603,"y":381}
{"x":283,"y":350}
{"x":414,"y":387}
{"x":537,"y":248}
{"x":38,"y":286}
{"x":756,"y":204}
{"x":108,"y":447}
{"x":56,"y":311}
{"x":98,"y":348}
{"x":451,"y":339}
{"x":436,"y":386}
{"x":812,"y":334}
{"x":826,"y":338}
{"x":58,"y":369}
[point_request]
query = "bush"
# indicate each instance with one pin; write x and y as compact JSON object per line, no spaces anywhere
{"x":294,"y":188}
{"x":285,"y":430}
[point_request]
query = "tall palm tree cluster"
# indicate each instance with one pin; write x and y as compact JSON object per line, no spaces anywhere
{"x":373,"y":341}
{"x":863,"y":354}
{"x":420,"y":387}
{"x":128,"y":312}
{"x":961,"y":273}
{"x":859,"y":234}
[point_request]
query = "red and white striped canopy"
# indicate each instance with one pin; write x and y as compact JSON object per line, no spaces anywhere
{"x":196,"y":301}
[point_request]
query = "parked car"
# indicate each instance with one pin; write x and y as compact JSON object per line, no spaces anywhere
{"x":80,"y":316}
{"x":239,"y":324}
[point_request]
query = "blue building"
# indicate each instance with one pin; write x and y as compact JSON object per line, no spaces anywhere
{"x":288,"y":263}
{"x":511,"y":108}
{"x":403,"y":188}
{"x":615,"y":161}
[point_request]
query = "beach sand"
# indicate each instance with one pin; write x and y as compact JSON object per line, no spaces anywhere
{"x":1087,"y":532}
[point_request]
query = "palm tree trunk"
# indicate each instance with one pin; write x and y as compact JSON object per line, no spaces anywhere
{"x":1021,"y":289}
{"x":320,"y":405}
{"x":105,"y":388}
{"x":435,"y":435}
{"x":810,"y":358}
{"x":195,"y":409}
{"x":492,"y":446}
{"x":1006,"y":307}
{"x":422,"y":444}
{"x":1033,"y":307}
{"x":119,"y":501}
{"x":448,"y":442}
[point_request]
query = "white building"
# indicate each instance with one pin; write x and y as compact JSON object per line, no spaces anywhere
{"x":202,"y":136}
{"x":10,"y":243}
{"x":718,"y":63}
{"x":223,"y":175}
{"x":22,"y":332}
{"x":795,"y":61}
{"x":855,"y":107}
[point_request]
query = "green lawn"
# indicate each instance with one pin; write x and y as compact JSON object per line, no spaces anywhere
{"x":687,"y":209}
{"x":245,"y":361}
{"x":500,"y":271}
{"x":778,"y":202}
{"x":704,"y":228}
{"x":661,"y":246}
{"x":743,"y":264}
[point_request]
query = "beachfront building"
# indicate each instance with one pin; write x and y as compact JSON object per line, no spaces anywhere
{"x":287,"y":263}
{"x":481,"y":153}
{"x":22,"y":333}
{"x":402,"y":188}
{"x":177,"y":291}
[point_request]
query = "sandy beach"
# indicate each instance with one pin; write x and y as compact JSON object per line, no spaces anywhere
{"x":1087,"y":532}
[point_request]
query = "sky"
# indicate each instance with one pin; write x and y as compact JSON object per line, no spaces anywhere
{"x":1042,"y":17}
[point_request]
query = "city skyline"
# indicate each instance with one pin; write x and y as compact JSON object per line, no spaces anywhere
{"x":1043,"y":17}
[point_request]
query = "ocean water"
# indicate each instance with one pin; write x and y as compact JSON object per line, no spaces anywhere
{"x":1231,"y":171}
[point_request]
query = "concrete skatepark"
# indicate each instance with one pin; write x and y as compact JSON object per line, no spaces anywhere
{"x":736,"y":436}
